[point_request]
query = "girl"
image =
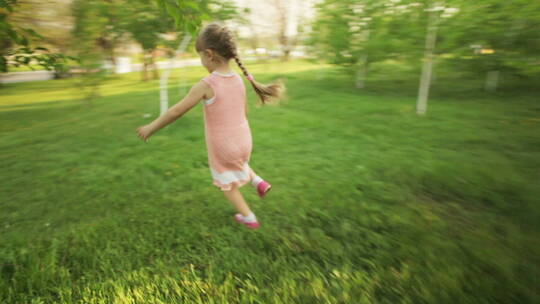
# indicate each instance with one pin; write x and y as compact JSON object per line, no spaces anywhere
{"x":227,"y":132}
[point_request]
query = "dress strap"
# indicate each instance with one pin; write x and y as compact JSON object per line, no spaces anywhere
{"x":209,"y":79}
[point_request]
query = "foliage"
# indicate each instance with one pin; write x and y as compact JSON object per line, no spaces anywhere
{"x":16,"y":48}
{"x":89,"y":23}
{"x":344,"y":31}
{"x":146,"y":23}
{"x":189,"y":15}
{"x":507,"y":29}
{"x":204,"y":10}
{"x":477,"y":36}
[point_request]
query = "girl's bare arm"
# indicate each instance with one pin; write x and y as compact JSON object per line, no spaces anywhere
{"x":195,"y":94}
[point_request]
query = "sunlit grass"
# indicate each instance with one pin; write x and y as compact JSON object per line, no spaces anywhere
{"x":70,"y":90}
{"x":371,"y":204}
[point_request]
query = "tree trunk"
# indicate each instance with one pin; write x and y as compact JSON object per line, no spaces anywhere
{"x":254,"y":41}
{"x":145,"y":68}
{"x":286,"y":54}
{"x":108,"y":48}
{"x":282,"y":23}
{"x":284,"y":41}
{"x":421,"y":104}
{"x":155,"y":71}
{"x":182,"y":90}
{"x":362,"y":73}
{"x":113,"y":60}
{"x":163,"y":83}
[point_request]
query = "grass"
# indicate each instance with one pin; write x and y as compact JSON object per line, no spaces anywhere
{"x":371,"y":204}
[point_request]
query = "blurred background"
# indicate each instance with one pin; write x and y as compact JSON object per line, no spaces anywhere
{"x":405,"y":158}
{"x":127,"y":36}
{"x":493,"y":40}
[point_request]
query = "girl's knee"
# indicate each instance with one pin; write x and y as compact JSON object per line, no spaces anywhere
{"x":251,"y":174}
{"x":232,"y":188}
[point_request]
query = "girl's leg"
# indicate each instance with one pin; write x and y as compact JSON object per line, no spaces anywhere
{"x":251,"y":174}
{"x":255,"y":179}
{"x":235,"y":197}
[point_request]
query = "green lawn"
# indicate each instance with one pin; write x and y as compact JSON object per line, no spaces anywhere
{"x":371,"y":204}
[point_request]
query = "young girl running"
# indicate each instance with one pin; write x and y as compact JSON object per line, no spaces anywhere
{"x":227,"y":131}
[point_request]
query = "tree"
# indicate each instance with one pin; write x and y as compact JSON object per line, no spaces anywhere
{"x":85,"y":36}
{"x":52,"y":19}
{"x":163,"y":93}
{"x":427,"y":67}
{"x":356,"y":33}
{"x":283,"y":23}
{"x":146,"y":24}
{"x":494,"y":38}
{"x":16,"y":44}
{"x":114,"y":28}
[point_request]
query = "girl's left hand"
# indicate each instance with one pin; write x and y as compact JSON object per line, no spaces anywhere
{"x":144,"y":132}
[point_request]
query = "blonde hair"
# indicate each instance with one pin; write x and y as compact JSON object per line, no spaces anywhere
{"x":220,"y":39}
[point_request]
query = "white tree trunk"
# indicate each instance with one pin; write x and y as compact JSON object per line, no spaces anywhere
{"x":182,"y":90}
{"x":492,"y":81}
{"x":421,"y":104}
{"x":163,"y":92}
{"x":362,"y":72}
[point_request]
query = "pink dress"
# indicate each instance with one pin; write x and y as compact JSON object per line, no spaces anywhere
{"x":227,"y":132}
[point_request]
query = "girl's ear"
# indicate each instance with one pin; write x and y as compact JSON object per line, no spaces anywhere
{"x":203,"y":53}
{"x":208,"y":54}
{"x":212,"y":55}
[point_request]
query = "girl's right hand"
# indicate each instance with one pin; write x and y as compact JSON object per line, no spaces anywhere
{"x":144,"y":132}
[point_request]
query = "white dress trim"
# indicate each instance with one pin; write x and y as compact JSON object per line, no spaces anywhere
{"x":210,"y":101}
{"x":228,"y":177}
{"x":224,"y":74}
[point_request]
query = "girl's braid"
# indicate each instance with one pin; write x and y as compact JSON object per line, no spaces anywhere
{"x":241,"y":65}
{"x":221,"y":40}
{"x":231,"y":46}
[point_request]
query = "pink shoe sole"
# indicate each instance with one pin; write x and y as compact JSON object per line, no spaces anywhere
{"x":254,"y":225}
{"x":263,"y":188}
